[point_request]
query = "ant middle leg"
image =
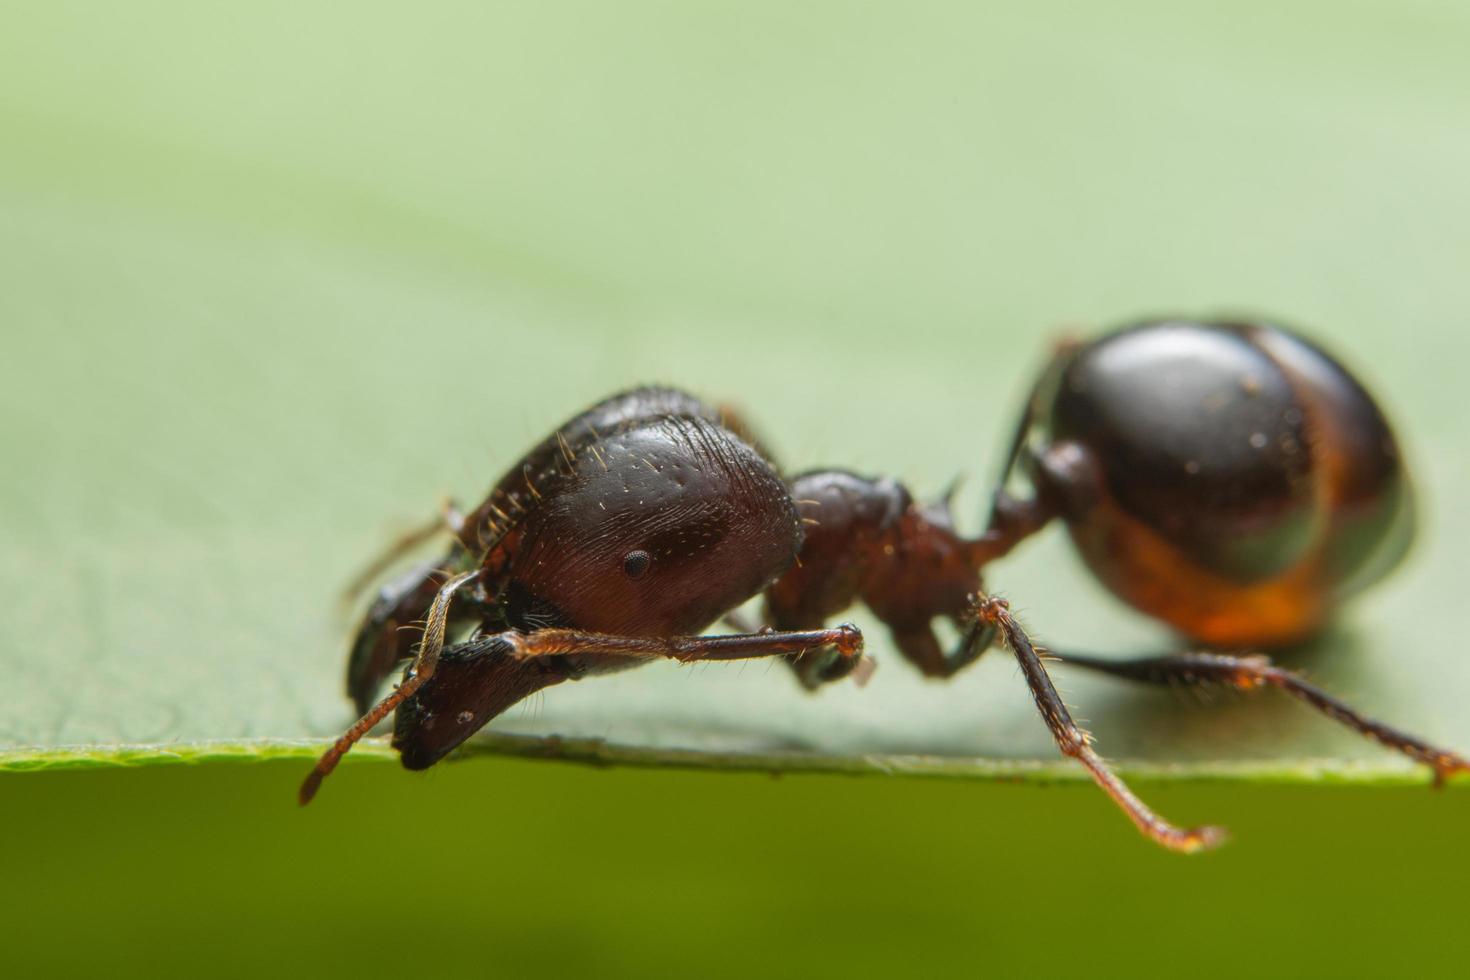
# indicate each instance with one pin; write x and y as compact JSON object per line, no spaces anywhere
{"x":1249,"y":673}
{"x":921,"y":647}
{"x":991,"y":613}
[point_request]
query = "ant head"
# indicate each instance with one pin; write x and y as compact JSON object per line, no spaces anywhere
{"x":659,"y":530}
{"x":473,"y":683}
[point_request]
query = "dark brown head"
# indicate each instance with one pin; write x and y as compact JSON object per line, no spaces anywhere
{"x":642,"y":516}
{"x":474,"y":682}
{"x":657,"y":528}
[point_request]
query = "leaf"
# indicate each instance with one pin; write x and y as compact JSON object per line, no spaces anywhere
{"x":271,"y":295}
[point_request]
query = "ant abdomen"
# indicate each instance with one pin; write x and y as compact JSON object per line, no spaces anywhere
{"x":1230,"y":479}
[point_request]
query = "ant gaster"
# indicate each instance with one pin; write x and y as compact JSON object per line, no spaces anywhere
{"x":1232,"y":480}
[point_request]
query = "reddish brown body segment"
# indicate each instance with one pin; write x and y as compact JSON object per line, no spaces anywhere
{"x":868,"y":540}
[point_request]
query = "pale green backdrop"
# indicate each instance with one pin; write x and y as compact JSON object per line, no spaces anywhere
{"x":278,"y":276}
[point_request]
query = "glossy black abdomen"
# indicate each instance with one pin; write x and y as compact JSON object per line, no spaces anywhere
{"x":1200,"y":435}
{"x":1243,"y":480}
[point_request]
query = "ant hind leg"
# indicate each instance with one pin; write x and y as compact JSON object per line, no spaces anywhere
{"x":1249,"y":673}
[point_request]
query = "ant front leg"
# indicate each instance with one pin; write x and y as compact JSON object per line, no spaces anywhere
{"x":475,"y":681}
{"x":387,"y":634}
{"x":598,"y":652}
{"x":1073,"y":741}
{"x":591,"y":651}
{"x":445,"y":699}
{"x":815,"y":667}
{"x":436,"y":623}
{"x":392,"y":626}
{"x":477,"y":686}
{"x":479,"y":679}
{"x":1250,"y":673}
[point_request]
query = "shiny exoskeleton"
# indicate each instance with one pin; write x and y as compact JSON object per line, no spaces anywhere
{"x":612,"y":543}
{"x":1231,"y":480}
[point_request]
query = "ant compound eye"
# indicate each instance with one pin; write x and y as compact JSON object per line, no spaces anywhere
{"x":635,"y":563}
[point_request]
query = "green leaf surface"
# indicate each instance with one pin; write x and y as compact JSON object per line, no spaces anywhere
{"x":504,"y":868}
{"x":276,"y":281}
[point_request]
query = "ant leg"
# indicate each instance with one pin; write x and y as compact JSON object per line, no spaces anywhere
{"x":732,"y":418}
{"x":1076,"y":743}
{"x":921,"y":648}
{"x":479,"y":679}
{"x":387,"y":635}
{"x":475,"y":681}
{"x":1249,"y":673}
{"x":591,"y":650}
{"x":1036,"y":400}
{"x":436,"y":622}
{"x":1014,"y":519}
{"x":390,"y":628}
{"x":449,"y":519}
{"x":814,"y":668}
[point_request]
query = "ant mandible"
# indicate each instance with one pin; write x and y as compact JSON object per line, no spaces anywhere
{"x":1230,"y":479}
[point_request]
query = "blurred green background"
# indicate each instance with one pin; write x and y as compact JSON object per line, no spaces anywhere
{"x":279,"y":276}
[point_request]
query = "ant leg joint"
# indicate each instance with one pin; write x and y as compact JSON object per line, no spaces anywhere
{"x":849,"y":640}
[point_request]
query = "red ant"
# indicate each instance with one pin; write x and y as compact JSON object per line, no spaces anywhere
{"x":1230,"y":479}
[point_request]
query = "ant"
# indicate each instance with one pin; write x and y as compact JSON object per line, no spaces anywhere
{"x":1230,"y":479}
